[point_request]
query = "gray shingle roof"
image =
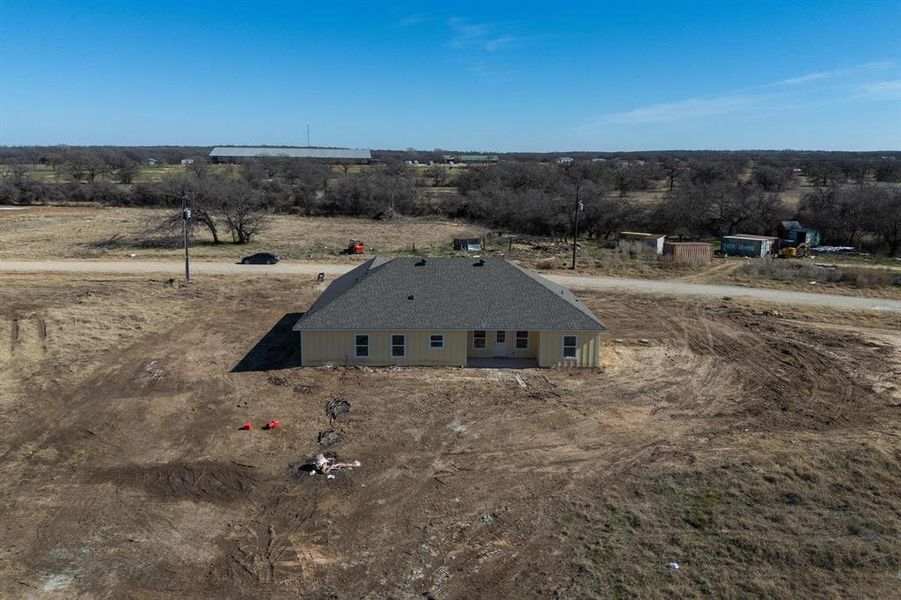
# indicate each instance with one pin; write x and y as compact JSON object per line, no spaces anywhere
{"x":267,"y":151}
{"x":447,"y":294}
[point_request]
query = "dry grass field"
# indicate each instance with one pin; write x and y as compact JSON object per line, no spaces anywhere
{"x":757,"y":449}
{"x":92,"y":232}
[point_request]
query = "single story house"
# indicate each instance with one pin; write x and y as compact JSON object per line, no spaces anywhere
{"x":746,"y":244}
{"x":454,"y":311}
{"x":653,"y":241}
{"x":792,"y":233}
{"x":225,"y":154}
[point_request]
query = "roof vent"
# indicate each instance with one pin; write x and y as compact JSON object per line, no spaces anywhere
{"x":420,"y":262}
{"x":410,"y":297}
{"x":479,"y":263}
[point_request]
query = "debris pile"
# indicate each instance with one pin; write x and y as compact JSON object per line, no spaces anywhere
{"x":329,"y":437}
{"x":336,"y":408}
{"x":324,"y":464}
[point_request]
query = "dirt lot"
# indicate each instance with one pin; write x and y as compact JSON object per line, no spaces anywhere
{"x":86,"y":232}
{"x":757,"y":449}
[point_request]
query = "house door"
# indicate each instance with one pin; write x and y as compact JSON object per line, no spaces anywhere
{"x":500,"y":343}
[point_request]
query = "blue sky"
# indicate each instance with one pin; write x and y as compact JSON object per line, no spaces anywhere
{"x":504,"y":76}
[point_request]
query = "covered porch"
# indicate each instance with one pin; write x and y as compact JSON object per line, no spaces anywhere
{"x":498,"y":344}
{"x":502,"y":363}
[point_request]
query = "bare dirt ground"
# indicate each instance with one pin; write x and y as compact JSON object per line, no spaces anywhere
{"x":758,"y":448}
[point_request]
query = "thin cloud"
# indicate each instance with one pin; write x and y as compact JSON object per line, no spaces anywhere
{"x":693,"y":108}
{"x":412,"y":20}
{"x":882,"y":90}
{"x":488,"y":37}
{"x":753,"y":99}
{"x":820,"y":75}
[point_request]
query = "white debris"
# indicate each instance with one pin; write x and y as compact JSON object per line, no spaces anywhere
{"x":325,"y":464}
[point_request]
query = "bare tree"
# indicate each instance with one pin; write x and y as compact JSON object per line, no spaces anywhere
{"x":672,"y":170}
{"x":242,"y":208}
{"x":200,"y":168}
{"x":203,"y":198}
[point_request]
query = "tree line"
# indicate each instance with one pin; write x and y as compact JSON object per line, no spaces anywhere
{"x":853,"y":199}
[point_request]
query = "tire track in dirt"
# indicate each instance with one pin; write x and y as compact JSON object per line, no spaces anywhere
{"x":13,"y":334}
{"x":262,"y":551}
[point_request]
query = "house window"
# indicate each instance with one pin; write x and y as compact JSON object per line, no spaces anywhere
{"x":570,"y":342}
{"x":522,"y":339}
{"x":478,"y":339}
{"x":398,"y":345}
{"x":436,"y":341}
{"x":501,"y":337}
{"x":361,"y":346}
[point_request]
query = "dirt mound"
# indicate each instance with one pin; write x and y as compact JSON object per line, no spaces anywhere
{"x":204,"y":481}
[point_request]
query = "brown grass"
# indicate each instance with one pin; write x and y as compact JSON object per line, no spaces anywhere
{"x":73,"y":232}
{"x":866,"y":278}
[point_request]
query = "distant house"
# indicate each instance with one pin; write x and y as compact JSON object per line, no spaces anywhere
{"x":746,"y":244}
{"x":688,"y":253}
{"x":653,"y":241}
{"x":149,"y":161}
{"x":792,"y":233}
{"x":564,"y":160}
{"x":224,"y":154}
{"x":448,"y":312}
{"x":187,"y":161}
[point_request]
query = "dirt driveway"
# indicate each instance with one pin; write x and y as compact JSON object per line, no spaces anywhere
{"x":645,"y":286}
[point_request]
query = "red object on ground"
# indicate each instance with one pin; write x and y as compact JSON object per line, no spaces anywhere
{"x":273,"y":424}
{"x":246,"y":427}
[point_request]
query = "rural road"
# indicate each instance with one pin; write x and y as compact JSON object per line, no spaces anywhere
{"x":648,"y":286}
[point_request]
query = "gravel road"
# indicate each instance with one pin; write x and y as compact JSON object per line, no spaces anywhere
{"x":648,"y":286}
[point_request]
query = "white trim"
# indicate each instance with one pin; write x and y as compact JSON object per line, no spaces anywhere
{"x":391,"y":345}
{"x":441,"y":347}
{"x":516,"y":340}
{"x":368,"y":346}
{"x":563,"y":347}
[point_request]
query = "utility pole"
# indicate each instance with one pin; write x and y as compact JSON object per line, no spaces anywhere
{"x":579,"y":208}
{"x":567,"y":169}
{"x":308,"y":135}
{"x":185,"y":215}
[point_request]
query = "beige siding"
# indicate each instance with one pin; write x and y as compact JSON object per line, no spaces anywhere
{"x":512,"y":350}
{"x":588,"y":349}
{"x":337,"y":347}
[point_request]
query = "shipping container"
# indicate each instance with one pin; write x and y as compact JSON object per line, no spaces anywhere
{"x":688,"y":253}
{"x":753,"y":246}
{"x":654,"y":241}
